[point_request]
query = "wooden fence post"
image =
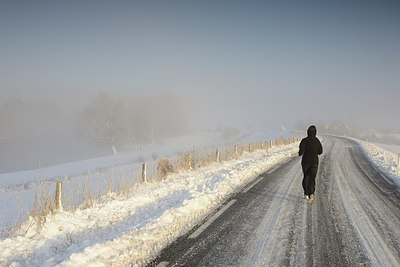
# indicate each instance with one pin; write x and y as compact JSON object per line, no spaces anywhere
{"x":398,"y":164}
{"x":217,"y":155}
{"x":235,"y":149}
{"x":249,"y":147}
{"x":144,"y":178}
{"x":58,"y":195}
{"x":189,"y":162}
{"x":194,"y":158}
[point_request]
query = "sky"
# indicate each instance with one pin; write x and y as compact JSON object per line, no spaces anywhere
{"x":237,"y":63}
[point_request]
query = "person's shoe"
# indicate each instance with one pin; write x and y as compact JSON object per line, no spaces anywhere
{"x":307,"y":197}
{"x":311,"y":199}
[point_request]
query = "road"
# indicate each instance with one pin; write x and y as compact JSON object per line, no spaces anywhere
{"x":354,"y":221}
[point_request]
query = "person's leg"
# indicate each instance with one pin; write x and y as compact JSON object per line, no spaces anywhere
{"x":305,"y":168}
{"x":312,"y":173}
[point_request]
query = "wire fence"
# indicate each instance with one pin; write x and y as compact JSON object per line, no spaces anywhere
{"x":86,"y":189}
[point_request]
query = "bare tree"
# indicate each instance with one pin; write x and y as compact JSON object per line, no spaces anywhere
{"x":104,"y":121}
{"x":156,"y":117}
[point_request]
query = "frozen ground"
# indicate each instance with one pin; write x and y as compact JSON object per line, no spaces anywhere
{"x":385,"y":158}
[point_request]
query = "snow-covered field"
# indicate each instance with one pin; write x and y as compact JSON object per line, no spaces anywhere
{"x":99,"y":175}
{"x":134,"y":227}
{"x":391,"y":148}
{"x":385,"y":158}
{"x":28,"y":179}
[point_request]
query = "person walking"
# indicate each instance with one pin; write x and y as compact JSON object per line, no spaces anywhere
{"x":310,"y":147}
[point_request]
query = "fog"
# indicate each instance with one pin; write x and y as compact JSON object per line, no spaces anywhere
{"x":179,"y":67}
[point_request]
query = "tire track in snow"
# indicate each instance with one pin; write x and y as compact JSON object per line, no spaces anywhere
{"x":354,"y":221}
{"x":369,"y":211}
{"x":274,"y":232}
{"x":262,"y":233}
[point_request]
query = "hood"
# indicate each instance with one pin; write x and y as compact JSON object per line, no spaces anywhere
{"x":312,"y":131}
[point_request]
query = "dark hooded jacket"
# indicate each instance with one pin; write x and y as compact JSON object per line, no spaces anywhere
{"x":310,"y":147}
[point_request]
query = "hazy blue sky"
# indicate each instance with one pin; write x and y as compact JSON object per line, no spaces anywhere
{"x":241,"y":61}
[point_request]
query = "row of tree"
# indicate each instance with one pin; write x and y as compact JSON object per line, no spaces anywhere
{"x":106,"y":120}
{"x":116,"y":122}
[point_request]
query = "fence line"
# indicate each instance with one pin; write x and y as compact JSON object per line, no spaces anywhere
{"x":84,"y":190}
{"x":398,"y":164}
{"x":144,"y":176}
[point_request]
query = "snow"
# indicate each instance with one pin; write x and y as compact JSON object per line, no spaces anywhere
{"x":391,"y":148}
{"x":96,"y":176}
{"x":133,"y":227}
{"x":385,"y":158}
{"x":22,"y":180}
{"x":27,"y":179}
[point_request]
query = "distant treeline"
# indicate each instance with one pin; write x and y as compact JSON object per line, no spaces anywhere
{"x":106,"y":120}
{"x":113,"y":121}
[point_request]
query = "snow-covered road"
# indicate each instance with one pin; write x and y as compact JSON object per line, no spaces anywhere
{"x":354,"y":221}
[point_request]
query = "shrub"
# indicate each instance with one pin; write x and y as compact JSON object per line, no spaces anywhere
{"x":184,"y":162}
{"x":165,"y":167}
{"x":43,"y":205}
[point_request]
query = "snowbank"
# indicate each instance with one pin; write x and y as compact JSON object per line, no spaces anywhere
{"x":94,"y":177}
{"x":134,"y":228}
{"x":384,"y":160}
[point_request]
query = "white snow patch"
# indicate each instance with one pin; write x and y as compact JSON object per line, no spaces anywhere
{"x":134,"y":229}
{"x":385,"y":159}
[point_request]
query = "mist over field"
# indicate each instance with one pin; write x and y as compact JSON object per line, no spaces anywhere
{"x":169,"y":69}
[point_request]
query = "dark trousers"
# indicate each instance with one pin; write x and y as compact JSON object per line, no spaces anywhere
{"x":310,"y":172}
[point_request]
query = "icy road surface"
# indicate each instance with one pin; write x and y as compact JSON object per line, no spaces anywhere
{"x":355,"y":220}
